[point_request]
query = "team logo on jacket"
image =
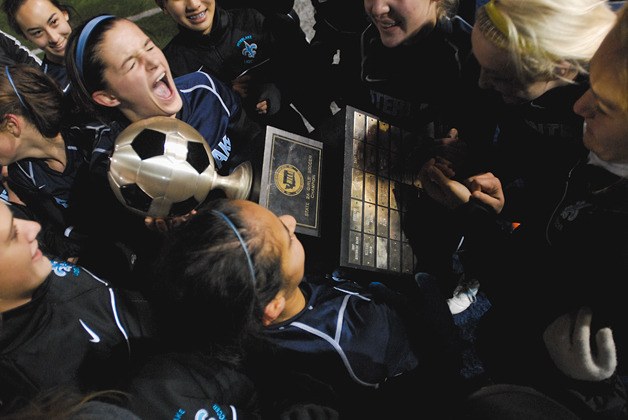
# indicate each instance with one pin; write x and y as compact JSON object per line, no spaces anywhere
{"x":289,"y":180}
{"x":62,"y":268}
{"x":248,"y":47}
{"x":222,"y":151}
{"x":571,"y":212}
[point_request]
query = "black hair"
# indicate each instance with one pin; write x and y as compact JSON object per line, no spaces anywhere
{"x":203,"y":293}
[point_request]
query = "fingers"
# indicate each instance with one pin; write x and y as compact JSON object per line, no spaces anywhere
{"x":149,"y":222}
{"x":445,"y":166}
{"x":159,"y":224}
{"x":262,"y":107}
{"x":487,"y":188}
{"x":582,"y":327}
{"x":606,"y":353}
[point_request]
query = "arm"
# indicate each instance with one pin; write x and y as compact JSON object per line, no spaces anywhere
{"x":12,"y":52}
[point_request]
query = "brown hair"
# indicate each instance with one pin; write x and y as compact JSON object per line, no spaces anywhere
{"x":31,"y":93}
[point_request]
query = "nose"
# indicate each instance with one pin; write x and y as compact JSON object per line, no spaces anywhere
{"x":192,"y":4}
{"x":30,"y":229}
{"x":53,"y":36}
{"x":289,"y":221}
{"x":584,"y":105}
{"x":151,"y":58}
{"x":376,"y":7}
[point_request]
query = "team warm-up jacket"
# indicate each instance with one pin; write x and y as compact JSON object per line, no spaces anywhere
{"x":57,"y":72}
{"x":52,"y":196}
{"x":412,"y":85}
{"x":215,"y":111}
{"x":76,"y":332}
{"x":506,"y":138}
{"x":239,"y":40}
{"x":578,"y":257}
{"x":361,"y":348}
{"x":244,"y":41}
{"x":191,"y":386}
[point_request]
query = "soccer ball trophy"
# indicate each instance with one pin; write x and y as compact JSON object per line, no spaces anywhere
{"x":162,"y":167}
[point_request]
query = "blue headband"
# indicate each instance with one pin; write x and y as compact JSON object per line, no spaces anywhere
{"x":84,"y":37}
{"x":246,"y":250}
{"x":6,"y":71}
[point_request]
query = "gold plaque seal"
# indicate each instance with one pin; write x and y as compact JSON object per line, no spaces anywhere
{"x":289,"y":180}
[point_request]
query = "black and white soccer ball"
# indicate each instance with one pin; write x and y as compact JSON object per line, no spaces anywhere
{"x":161,"y":167}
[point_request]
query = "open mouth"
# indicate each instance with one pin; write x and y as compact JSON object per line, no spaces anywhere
{"x":198,"y":17}
{"x":162,"y":88}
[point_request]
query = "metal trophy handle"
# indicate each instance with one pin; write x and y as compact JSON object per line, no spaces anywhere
{"x":237,"y":184}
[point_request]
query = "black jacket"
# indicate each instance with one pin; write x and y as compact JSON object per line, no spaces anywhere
{"x":271,"y":50}
{"x":12,"y":52}
{"x":76,"y":332}
{"x":189,"y":384}
{"x":578,"y":257}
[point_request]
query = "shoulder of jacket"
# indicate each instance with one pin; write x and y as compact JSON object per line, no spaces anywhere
{"x":69,"y":281}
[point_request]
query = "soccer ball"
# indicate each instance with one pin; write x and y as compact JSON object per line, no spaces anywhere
{"x":162,"y":167}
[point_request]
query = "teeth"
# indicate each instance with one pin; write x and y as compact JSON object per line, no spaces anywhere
{"x":160,"y":78}
{"x":197,"y":16}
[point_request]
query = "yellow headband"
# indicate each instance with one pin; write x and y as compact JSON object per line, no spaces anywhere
{"x":496,"y":17}
{"x":500,"y":23}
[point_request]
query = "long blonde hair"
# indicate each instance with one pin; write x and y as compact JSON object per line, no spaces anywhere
{"x":540,"y":35}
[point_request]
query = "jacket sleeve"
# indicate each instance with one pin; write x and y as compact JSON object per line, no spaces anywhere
{"x":604,"y":400}
{"x":12,"y":52}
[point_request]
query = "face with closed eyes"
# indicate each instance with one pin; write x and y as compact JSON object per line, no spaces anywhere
{"x":137,"y":75}
{"x":46,"y":26}
{"x":24,"y":268}
{"x":498,"y":72}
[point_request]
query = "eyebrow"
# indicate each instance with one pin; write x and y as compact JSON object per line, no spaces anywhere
{"x":36,"y":28}
{"x":610,"y":105}
{"x":12,"y":230}
{"x":148,"y":41}
{"x":287,"y":230}
{"x":52,"y":17}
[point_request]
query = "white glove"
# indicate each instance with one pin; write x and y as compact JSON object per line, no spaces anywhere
{"x":568,"y":343}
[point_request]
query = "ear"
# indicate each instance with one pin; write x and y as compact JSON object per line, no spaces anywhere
{"x":274,"y":308}
{"x":12,"y":124}
{"x":66,"y":15}
{"x":565,"y":70}
{"x":105,"y":99}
